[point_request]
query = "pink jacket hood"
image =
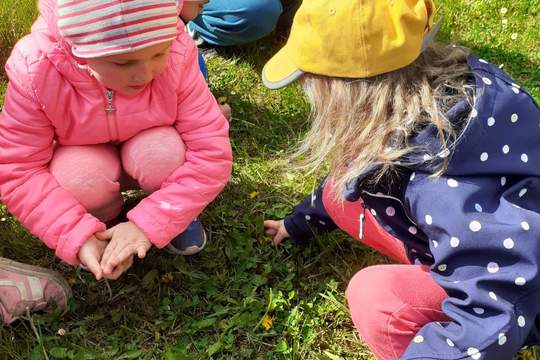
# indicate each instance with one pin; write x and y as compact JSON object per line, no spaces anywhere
{"x":51,"y":97}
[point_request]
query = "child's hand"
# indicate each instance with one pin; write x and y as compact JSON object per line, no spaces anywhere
{"x":120,"y":269}
{"x":90,"y":255}
{"x":276,"y":230}
{"x":126,"y":240}
{"x":224,"y":107}
{"x":226,"y":111}
{"x":192,"y":9}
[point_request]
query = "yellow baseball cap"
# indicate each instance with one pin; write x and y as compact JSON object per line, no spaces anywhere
{"x":352,"y":39}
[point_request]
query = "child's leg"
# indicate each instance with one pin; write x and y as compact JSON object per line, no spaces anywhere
{"x":151,"y":156}
{"x":390,"y":303}
{"x":346,"y":215}
{"x":90,"y":173}
{"x":226,"y":23}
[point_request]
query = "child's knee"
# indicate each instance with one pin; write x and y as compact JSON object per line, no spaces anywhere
{"x":151,"y":156}
{"x":365,"y":290}
{"x":261,"y":18}
{"x":270,"y":10}
{"x":371,"y":305}
{"x":90,"y":174}
{"x":390,"y":303}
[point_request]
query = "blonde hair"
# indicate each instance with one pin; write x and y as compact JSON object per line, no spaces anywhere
{"x":357,"y":123}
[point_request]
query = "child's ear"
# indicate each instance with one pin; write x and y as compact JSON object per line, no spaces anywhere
{"x":179,"y":5}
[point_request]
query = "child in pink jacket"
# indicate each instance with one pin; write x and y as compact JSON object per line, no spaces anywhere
{"x":104,"y":95}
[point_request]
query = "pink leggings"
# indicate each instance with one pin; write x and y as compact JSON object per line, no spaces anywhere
{"x":388,"y":303}
{"x":95,"y":174}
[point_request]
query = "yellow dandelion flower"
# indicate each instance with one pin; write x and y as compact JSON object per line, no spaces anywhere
{"x":267,"y":322}
{"x":253,"y":194}
{"x":167,"y":278}
{"x":72,"y":280}
{"x":222,"y":100}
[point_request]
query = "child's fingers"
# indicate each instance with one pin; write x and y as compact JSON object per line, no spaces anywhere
{"x":280,"y":236}
{"x":268,"y":223}
{"x":110,"y":250}
{"x":123,"y":255}
{"x":92,"y":264}
{"x":120,"y":269}
{"x":104,"y":235}
{"x":108,"y":262}
{"x":271,"y":225}
{"x":278,"y":239}
{"x":141,"y":252}
{"x":114,"y":275}
{"x":271,"y":232}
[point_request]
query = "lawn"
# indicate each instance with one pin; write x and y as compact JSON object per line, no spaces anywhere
{"x":240,"y":298}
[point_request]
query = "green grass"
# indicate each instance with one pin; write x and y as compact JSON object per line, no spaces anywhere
{"x":212,"y":305}
{"x":16,"y":17}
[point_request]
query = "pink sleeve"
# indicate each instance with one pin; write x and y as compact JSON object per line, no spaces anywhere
{"x":207,"y":167}
{"x":27,"y":187}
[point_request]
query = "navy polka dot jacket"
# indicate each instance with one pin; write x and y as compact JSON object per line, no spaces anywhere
{"x":477,"y":226}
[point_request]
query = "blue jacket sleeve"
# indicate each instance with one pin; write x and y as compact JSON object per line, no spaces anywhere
{"x":484,"y":235}
{"x":309,"y":218}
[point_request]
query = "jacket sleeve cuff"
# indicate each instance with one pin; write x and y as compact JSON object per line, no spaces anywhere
{"x":298,"y":233}
{"x":309,"y":218}
{"x":69,"y":245}
{"x":150,"y":227}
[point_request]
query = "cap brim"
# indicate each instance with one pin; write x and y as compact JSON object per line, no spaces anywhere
{"x":280,"y":70}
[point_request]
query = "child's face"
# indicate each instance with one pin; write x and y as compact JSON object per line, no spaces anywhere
{"x":130,"y":73}
{"x":192,"y":9}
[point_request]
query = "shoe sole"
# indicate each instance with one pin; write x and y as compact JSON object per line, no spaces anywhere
{"x":173,"y":251}
{"x":36,"y":271}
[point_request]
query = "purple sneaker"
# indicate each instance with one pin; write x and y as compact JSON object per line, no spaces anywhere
{"x":190,"y":242}
{"x":25,"y":287}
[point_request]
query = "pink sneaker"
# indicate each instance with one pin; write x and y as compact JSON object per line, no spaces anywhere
{"x":29,"y":287}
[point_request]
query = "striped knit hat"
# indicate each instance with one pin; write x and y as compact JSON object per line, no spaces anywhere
{"x":96,"y":28}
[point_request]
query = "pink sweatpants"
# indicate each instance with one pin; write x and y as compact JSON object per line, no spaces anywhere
{"x":388,"y":303}
{"x":95,"y":174}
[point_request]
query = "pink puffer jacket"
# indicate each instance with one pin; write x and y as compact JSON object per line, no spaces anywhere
{"x":52,"y":98}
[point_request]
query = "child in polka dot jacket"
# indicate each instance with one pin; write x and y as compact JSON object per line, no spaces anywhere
{"x":433,"y":156}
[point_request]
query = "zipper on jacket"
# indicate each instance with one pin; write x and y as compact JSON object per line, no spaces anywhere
{"x":110,"y":110}
{"x":362,"y":221}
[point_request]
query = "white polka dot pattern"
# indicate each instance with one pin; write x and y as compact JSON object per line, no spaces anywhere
{"x":493,"y":267}
{"x":508,"y":243}
{"x":480,"y":221}
{"x":484,"y":157}
{"x":475,"y":226}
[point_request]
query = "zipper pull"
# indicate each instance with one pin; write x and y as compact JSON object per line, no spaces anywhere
{"x":109,"y":95}
{"x":362,"y":221}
